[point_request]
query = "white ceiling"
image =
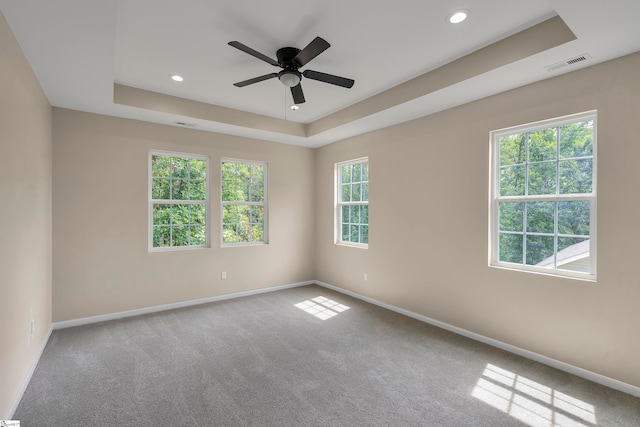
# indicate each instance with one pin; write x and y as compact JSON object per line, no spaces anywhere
{"x":78,"y":49}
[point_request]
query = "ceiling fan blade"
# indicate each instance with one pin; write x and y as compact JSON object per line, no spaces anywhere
{"x":298,"y":96}
{"x":329,"y":78}
{"x":256,"y":80}
{"x":252,"y":52}
{"x":313,"y":49}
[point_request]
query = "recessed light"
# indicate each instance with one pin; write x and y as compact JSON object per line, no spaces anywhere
{"x":176,"y":78}
{"x":295,"y":107}
{"x":458,"y":16}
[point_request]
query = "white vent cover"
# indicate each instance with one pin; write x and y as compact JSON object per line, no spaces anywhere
{"x":191,"y":125}
{"x":570,"y":61}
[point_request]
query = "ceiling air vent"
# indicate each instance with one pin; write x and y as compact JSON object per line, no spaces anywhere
{"x":571,"y":61}
{"x":191,"y":125}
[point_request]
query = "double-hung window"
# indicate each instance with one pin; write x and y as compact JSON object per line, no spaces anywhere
{"x":178,"y":201}
{"x":244,"y":202}
{"x":352,"y":195}
{"x":543,"y":197}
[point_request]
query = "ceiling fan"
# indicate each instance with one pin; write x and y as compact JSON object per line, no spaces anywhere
{"x":291,"y":59}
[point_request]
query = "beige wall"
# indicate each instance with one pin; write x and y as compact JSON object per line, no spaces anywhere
{"x":100,"y":212}
{"x":25,"y":218}
{"x":429,"y":224}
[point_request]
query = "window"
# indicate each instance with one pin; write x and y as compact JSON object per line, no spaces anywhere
{"x":244,"y":195}
{"x":179,"y":198}
{"x":543,"y":195}
{"x":352,"y":191}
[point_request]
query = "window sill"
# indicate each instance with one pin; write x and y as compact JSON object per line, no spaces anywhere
{"x":562,"y":274}
{"x":353,"y":245}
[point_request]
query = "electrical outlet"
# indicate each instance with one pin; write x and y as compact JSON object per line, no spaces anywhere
{"x":223,"y":275}
{"x":366,"y":277}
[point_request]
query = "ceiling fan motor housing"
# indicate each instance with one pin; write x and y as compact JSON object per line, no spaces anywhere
{"x":285,"y":57}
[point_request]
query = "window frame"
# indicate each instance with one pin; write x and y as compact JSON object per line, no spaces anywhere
{"x":206,"y":203}
{"x":338,"y":203}
{"x":495,"y":198}
{"x":264,"y":203}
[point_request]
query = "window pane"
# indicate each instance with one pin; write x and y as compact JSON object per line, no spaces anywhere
{"x":179,"y":189}
{"x":574,"y":218}
{"x":179,"y":167}
{"x":542,"y":178}
{"x":510,"y":248}
{"x":198,"y":214}
{"x":229,"y":233}
{"x":512,"y":181}
{"x":365,"y":191}
{"x":257,"y":192}
{"x":355,"y":234}
{"x":365,"y":234}
{"x":229,"y":214}
{"x":540,"y":217}
{"x":243,"y":172}
{"x":539,"y":248}
{"x":356,"y":191}
{"x":257,"y":174}
{"x":346,"y":192}
{"x":197,"y":235}
{"x":160,"y":188}
{"x":355,"y":214}
{"x":228,"y":191}
{"x":345,"y":232}
{"x":161,"y":214}
{"x":180,"y":236}
{"x":357,"y":173}
{"x":542,"y":145}
{"x":161,"y":237}
{"x":346,"y":174}
{"x":511,"y":216}
{"x":160,"y":166}
{"x":242,"y":192}
{"x":229,"y":172}
{"x":576,"y":139}
{"x":244,"y":224}
{"x":179,"y":215}
{"x":573,"y":254}
{"x":345,"y":214}
{"x":257,"y":214}
{"x":198,"y":190}
{"x":197,"y":169}
{"x":243,"y":232}
{"x":365,"y":215}
{"x":258,"y":233}
{"x":365,"y":172}
{"x":576,"y":176}
{"x":512,"y":149}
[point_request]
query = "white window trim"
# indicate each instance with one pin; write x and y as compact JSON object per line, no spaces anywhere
{"x":206,"y":203}
{"x":494,"y":199}
{"x":264,"y":204}
{"x":338,"y":204}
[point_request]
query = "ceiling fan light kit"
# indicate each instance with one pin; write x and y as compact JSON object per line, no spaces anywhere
{"x":291,"y":59}
{"x":289,"y":78}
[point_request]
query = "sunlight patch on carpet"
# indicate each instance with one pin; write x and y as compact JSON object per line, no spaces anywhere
{"x":321,"y":307}
{"x":531,"y":402}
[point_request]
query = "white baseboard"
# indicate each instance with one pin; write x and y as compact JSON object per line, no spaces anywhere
{"x":27,"y":378}
{"x":154,"y":309}
{"x":580,"y":372}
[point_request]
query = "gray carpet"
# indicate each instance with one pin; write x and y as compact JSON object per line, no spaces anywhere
{"x":263,"y":361}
